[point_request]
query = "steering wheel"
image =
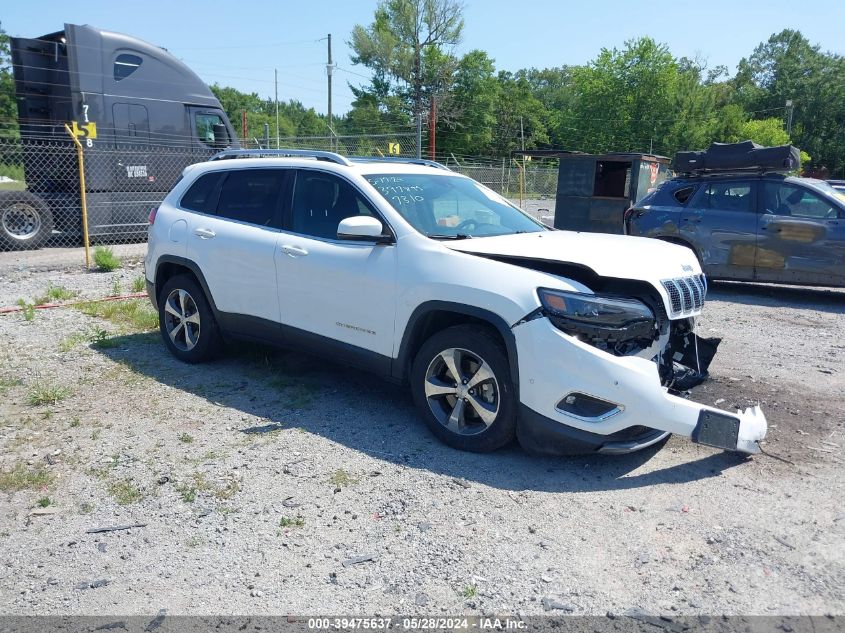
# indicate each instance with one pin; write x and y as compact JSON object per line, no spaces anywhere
{"x":472,"y":222}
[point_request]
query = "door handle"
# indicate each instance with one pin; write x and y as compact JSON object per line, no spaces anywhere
{"x":294,"y":251}
{"x":205,"y":234}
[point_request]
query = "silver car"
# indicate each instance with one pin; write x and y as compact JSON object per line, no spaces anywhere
{"x":750,"y":227}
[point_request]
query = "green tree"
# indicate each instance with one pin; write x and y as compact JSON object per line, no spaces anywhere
{"x":408,"y":48}
{"x":8,"y":104}
{"x":470,"y":107}
{"x":789,"y":67}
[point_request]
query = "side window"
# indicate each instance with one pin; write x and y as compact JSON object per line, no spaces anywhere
{"x":795,"y":201}
{"x":725,"y":196}
{"x":202,"y":195}
{"x":321,"y":201}
{"x":205,"y":122}
{"x":125,"y":64}
{"x":252,"y":195}
{"x":683,"y":194}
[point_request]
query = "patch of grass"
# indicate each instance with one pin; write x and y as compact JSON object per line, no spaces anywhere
{"x":131,"y":315}
{"x":105,"y":259}
{"x":8,"y":383}
{"x":27,"y":310}
{"x":227,"y":491}
{"x":101,"y":339}
{"x":138,"y":284}
{"x":116,"y":287}
{"x":296,"y":522}
{"x":74,"y":422}
{"x":22,"y":477}
{"x":341,"y":478}
{"x":125,"y":492}
{"x":41,"y":393}
{"x":95,"y":434}
{"x":187,"y":492}
{"x":198,"y":483}
{"x":86,"y":508}
{"x":43,"y":502}
{"x":186,"y":438}
{"x":469,"y":591}
{"x":54,"y":294}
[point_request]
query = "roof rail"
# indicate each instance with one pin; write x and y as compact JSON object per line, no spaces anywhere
{"x":398,"y":159}
{"x":259,"y":153}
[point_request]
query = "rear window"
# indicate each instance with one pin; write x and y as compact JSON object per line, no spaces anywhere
{"x":683,"y":194}
{"x":201,"y":196}
{"x":252,"y":195}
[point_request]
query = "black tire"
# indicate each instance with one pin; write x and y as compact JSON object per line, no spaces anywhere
{"x":26,"y":221}
{"x":473,"y":344}
{"x":196,"y":338}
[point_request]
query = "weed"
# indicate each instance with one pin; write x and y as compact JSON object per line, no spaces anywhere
{"x":54,"y":294}
{"x":105,"y":259}
{"x":187,"y":492}
{"x":23,"y":478}
{"x":41,"y":393}
{"x":95,"y":434}
{"x":342,"y":478}
{"x":469,"y":591}
{"x":138,"y":284}
{"x":74,"y":422}
{"x":125,"y":492}
{"x":228,"y":491}
{"x":27,"y":310}
{"x":7,"y":383}
{"x":116,"y":288}
{"x":186,"y":438}
{"x":101,"y":340}
{"x":86,"y":508}
{"x":43,"y":502}
{"x":287,"y":522}
{"x":131,"y":315}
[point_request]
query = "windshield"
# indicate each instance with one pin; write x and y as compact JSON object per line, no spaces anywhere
{"x":452,"y":207}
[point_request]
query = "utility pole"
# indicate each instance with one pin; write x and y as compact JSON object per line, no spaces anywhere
{"x":419,"y":133}
{"x":276,"y":76}
{"x":432,"y":128}
{"x":329,"y":69}
{"x":789,"y":109}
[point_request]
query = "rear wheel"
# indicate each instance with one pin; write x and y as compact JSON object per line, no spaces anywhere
{"x":461,"y":382}
{"x":26,"y":221}
{"x":186,"y":322}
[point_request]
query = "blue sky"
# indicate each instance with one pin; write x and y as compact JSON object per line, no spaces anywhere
{"x":239,"y":43}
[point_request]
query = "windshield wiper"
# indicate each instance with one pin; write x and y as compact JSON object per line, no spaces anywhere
{"x":459,"y":236}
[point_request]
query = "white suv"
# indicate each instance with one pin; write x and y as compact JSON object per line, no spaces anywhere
{"x":502,"y":327}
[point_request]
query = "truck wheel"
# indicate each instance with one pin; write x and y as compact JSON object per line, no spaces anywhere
{"x":26,"y":221}
{"x":186,"y":322}
{"x":461,"y":382}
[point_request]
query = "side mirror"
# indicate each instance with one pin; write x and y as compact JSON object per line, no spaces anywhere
{"x":221,"y":136}
{"x":362,"y":227}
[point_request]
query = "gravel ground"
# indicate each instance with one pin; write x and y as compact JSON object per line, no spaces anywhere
{"x":268,"y":482}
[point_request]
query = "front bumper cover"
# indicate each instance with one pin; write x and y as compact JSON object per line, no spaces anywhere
{"x":552,"y":364}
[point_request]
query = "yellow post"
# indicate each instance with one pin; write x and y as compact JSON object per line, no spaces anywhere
{"x":80,"y":159}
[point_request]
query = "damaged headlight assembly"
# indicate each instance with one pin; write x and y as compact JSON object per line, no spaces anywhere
{"x":615,"y":324}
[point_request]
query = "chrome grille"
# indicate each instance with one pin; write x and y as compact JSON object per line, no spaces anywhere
{"x":686,"y":294}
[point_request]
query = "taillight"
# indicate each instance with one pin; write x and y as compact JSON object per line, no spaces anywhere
{"x":152,"y":217}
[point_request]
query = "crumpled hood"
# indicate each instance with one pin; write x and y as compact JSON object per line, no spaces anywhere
{"x":620,"y":256}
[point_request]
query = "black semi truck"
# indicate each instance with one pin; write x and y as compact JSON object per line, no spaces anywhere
{"x":140,"y":114}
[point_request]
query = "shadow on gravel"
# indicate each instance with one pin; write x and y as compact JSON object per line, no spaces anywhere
{"x":367,"y":414}
{"x":824,"y":299}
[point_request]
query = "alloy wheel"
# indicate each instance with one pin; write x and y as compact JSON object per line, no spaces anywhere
{"x":182,"y":319}
{"x":462,"y":391}
{"x":21,"y":221}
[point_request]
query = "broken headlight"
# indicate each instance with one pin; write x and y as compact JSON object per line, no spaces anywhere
{"x":615,"y":324}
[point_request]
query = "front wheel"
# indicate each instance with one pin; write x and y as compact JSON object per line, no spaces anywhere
{"x":461,"y":382}
{"x":186,"y":322}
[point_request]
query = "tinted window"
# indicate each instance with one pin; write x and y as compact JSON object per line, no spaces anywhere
{"x":683,"y":194}
{"x":125,"y":64}
{"x":321,"y":201}
{"x":251,"y":195}
{"x":201,"y":196}
{"x":785,"y":199}
{"x":725,"y":196}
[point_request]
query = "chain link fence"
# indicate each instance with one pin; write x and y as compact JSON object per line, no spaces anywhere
{"x":43,"y":202}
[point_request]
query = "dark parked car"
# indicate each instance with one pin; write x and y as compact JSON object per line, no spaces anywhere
{"x":752,"y":227}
